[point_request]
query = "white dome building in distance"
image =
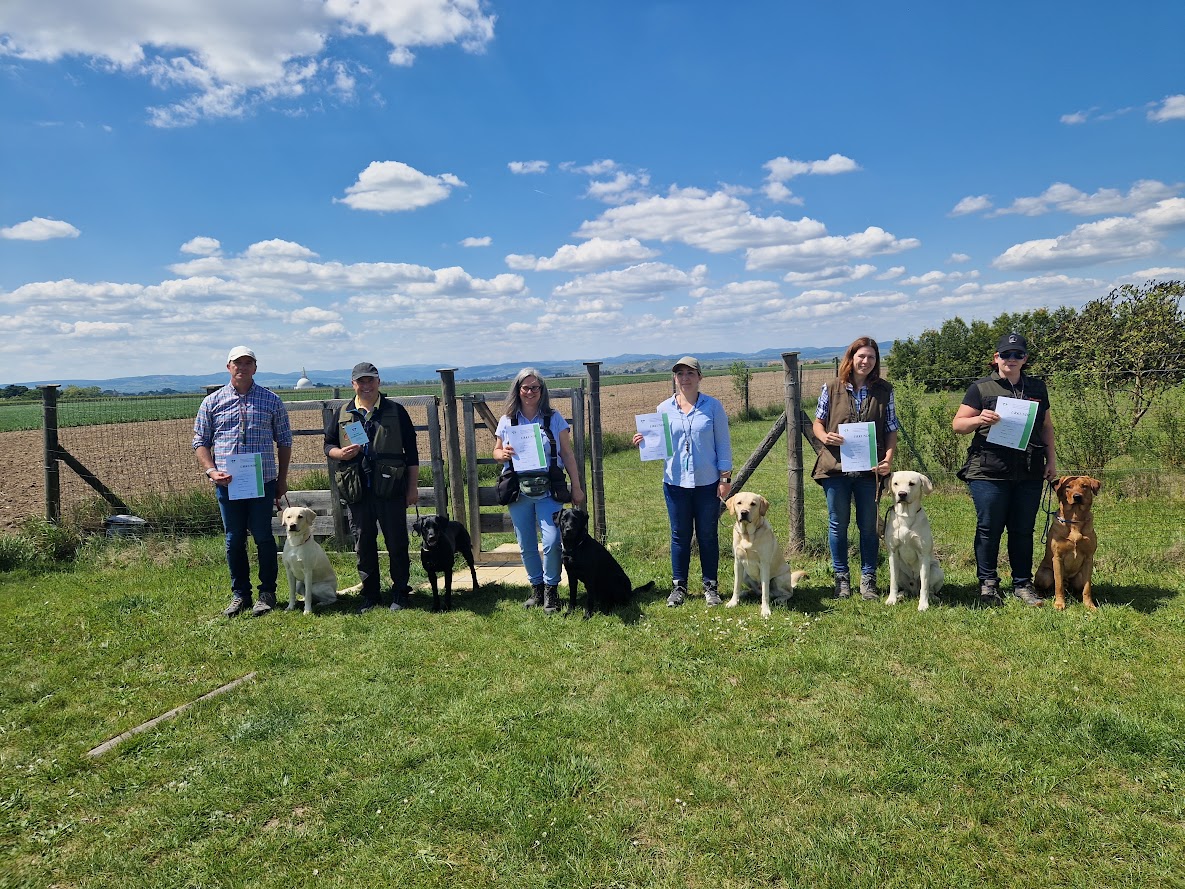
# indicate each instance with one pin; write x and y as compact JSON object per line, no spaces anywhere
{"x":304,"y":382}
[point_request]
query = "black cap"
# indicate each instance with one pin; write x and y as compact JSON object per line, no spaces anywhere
{"x":363,"y":369}
{"x":1012,"y":342}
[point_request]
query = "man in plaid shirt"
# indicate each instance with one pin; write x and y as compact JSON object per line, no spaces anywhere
{"x":243,"y":418}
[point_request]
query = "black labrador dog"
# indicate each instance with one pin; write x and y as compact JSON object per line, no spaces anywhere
{"x":442,"y":540}
{"x":606,"y":585}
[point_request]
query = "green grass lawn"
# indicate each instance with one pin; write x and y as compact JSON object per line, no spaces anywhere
{"x":837,"y":744}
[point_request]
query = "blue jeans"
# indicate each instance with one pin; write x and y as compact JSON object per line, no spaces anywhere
{"x":532,"y":519}
{"x":253,"y":516}
{"x":698,"y":510}
{"x":841,"y":490}
{"x":1001,"y":506}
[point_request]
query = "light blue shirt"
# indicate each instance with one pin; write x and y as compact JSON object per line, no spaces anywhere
{"x":700,"y":440}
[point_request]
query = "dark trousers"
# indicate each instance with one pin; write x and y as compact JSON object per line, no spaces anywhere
{"x":240,"y":518}
{"x":1001,"y":506}
{"x":367,"y":518}
{"x":693,"y":510}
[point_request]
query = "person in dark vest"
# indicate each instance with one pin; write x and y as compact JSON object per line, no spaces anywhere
{"x":1005,"y":482}
{"x":528,"y":402}
{"x":378,"y":479}
{"x":857,"y":395}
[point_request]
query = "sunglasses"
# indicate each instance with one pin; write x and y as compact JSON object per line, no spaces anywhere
{"x":1012,"y":355}
{"x":529,"y":388}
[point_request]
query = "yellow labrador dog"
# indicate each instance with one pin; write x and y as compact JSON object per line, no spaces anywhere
{"x":757,"y":557}
{"x":307,"y":566}
{"x":910,"y":543}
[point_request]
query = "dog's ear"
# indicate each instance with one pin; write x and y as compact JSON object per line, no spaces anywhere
{"x":762,"y":505}
{"x":309,"y":514}
{"x":1095,"y":485}
{"x":927,"y":485}
{"x":418,"y":526}
{"x":1060,"y":481}
{"x":555,"y":517}
{"x":731,"y":505}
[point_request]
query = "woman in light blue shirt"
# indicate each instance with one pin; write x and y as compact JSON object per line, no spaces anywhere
{"x":696,"y":478}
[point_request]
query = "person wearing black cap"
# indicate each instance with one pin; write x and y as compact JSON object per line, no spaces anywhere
{"x":378,"y":478}
{"x":695,"y":479}
{"x":1005,"y":482}
{"x":245,"y":418}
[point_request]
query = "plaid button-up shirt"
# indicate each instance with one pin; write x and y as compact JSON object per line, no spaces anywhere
{"x":230,"y":423}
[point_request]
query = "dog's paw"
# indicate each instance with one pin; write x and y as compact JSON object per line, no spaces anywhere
{"x":765,"y":611}
{"x":893,"y":599}
{"x":923,"y":606}
{"x":291,"y":607}
{"x":732,"y":603}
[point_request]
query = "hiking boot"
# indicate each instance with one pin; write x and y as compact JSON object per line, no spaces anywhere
{"x":1023,"y":590}
{"x":843,"y":587}
{"x":369,"y":602}
{"x":868,"y":590}
{"x":989,"y":593}
{"x":712,"y":593}
{"x":551,"y":599}
{"x":536,"y":597}
{"x":260,"y":609}
{"x":678,"y":594}
{"x":237,"y":606}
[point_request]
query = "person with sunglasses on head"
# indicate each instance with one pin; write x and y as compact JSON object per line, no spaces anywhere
{"x":378,"y":477}
{"x":857,"y":395}
{"x":244,"y":418}
{"x":1005,"y":482}
{"x":528,"y":402}
{"x":696,"y":478}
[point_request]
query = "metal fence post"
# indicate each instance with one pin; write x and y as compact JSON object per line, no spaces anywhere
{"x":53,"y":489}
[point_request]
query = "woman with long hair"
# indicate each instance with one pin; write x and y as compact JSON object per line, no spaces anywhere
{"x":529,"y":402}
{"x":857,"y":395}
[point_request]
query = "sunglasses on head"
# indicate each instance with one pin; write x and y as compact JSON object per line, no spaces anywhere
{"x":1012,"y":355}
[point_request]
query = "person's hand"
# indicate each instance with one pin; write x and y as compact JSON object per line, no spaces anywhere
{"x":577,"y":495}
{"x":1050,"y":471}
{"x":281,"y":490}
{"x":413,"y":496}
{"x":723,"y":489}
{"x":220,"y":478}
{"x":507,"y":452}
{"x":989,"y":418}
{"x":350,"y":452}
{"x":884,"y":467}
{"x":833,"y":438}
{"x":638,"y":439}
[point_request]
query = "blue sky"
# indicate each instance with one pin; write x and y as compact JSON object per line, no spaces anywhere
{"x":458,"y":182}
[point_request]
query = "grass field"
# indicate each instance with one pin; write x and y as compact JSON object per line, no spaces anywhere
{"x":838,"y":744}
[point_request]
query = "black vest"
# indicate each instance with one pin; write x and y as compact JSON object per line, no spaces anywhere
{"x":841,"y":408}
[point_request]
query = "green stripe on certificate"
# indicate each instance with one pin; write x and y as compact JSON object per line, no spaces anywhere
{"x":872,"y":461}
{"x":1029,"y":424}
{"x":666,"y":434}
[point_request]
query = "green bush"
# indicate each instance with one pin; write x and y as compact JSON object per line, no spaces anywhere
{"x":1088,"y":435}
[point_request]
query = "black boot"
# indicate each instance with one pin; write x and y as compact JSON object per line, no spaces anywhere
{"x":536,"y":597}
{"x":551,"y":599}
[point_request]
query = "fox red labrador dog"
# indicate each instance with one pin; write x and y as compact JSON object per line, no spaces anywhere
{"x":1071,"y":544}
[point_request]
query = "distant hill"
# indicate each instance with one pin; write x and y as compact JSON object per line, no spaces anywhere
{"x":410,"y":373}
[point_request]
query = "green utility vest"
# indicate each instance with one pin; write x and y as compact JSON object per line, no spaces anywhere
{"x":382,"y":468}
{"x":841,"y":409}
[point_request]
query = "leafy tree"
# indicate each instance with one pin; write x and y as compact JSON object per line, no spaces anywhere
{"x":81,"y":392}
{"x":13,"y":390}
{"x":1130,"y":345}
{"x":740,"y":373}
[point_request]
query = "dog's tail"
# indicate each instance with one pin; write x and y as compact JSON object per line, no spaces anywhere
{"x":644,"y":588}
{"x":797,"y":577}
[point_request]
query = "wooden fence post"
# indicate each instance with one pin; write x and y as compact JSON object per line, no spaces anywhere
{"x":596,"y":448}
{"x":795,"y":493}
{"x":53,"y":489}
{"x":452,"y":437}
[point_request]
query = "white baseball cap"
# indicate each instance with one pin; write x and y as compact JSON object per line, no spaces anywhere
{"x":239,"y":352}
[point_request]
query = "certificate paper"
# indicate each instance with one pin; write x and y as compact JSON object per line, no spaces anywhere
{"x":356,"y":434}
{"x":1017,"y":418}
{"x":527,"y":442}
{"x":246,"y":476}
{"x":655,"y":430}
{"x":858,"y":451}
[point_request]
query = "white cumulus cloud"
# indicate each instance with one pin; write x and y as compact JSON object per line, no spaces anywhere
{"x":829,"y":249}
{"x":393,"y":186}
{"x":1170,"y":108}
{"x":39,"y":229}
{"x":593,"y":254}
{"x":524,"y":168}
{"x":972,"y":204}
{"x":202,"y":246}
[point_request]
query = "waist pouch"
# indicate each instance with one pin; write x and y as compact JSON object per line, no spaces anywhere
{"x":388,"y":477}
{"x":534,"y":485}
{"x":348,"y":477}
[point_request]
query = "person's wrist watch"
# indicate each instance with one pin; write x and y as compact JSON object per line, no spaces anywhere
{"x":726,"y":477}
{"x":210,"y":469}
